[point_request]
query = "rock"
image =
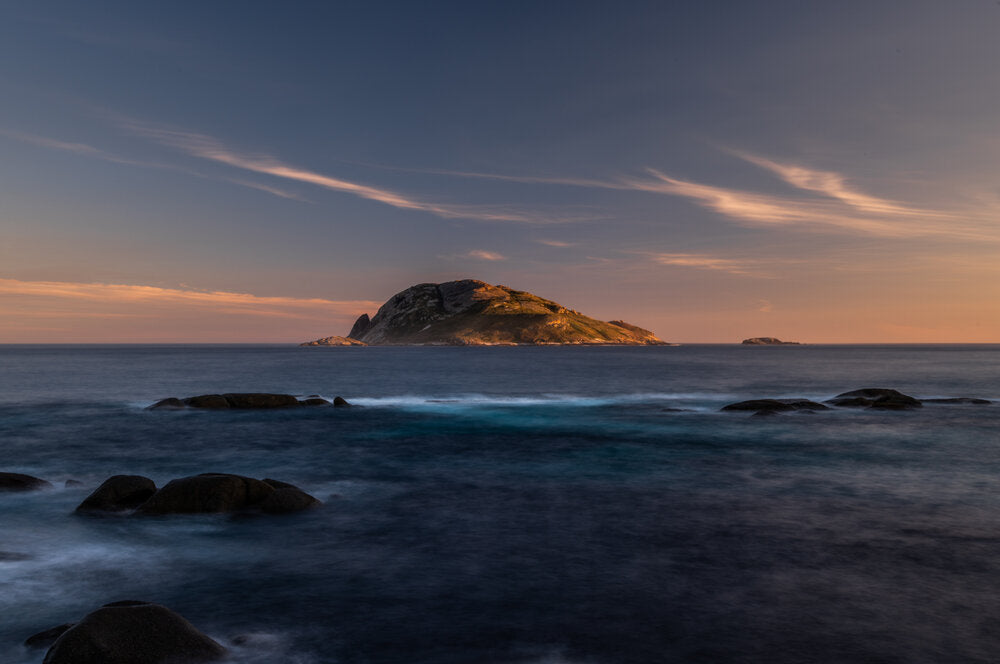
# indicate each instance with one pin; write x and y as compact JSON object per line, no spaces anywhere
{"x":237,"y":401}
{"x":223,"y":493}
{"x":133,"y":633}
{"x":19,"y":482}
{"x":474,"y":313}
{"x":959,"y":400}
{"x":879,"y":398}
{"x":334,"y":341}
{"x":775,"y":405}
{"x":171,"y":403}
{"x":46,"y":638}
{"x":360,"y":327}
{"x":340,"y":402}
{"x":72,"y":484}
{"x":765,"y":413}
{"x":118,"y":494}
{"x":213,"y":401}
{"x":768,"y":341}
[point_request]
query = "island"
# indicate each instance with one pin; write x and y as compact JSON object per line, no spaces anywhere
{"x":470,"y":312}
{"x":768,"y":341}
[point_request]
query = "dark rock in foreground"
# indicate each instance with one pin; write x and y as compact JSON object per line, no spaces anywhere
{"x":239,"y":401}
{"x":223,"y":493}
{"x":775,"y":405}
{"x":118,"y":494}
{"x":133,"y":633}
{"x":19,"y":482}
{"x":47,"y":637}
{"x":768,"y":341}
{"x":879,"y":398}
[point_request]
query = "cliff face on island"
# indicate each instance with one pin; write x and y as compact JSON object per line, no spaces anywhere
{"x":472,"y":312}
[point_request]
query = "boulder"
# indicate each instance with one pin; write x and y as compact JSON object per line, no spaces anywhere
{"x":315,"y":401}
{"x":213,"y":401}
{"x":775,"y":405}
{"x":19,"y":482}
{"x":223,"y":493}
{"x":879,"y":398}
{"x":340,"y":402}
{"x":47,"y":637}
{"x":118,"y":494}
{"x":133,"y":633}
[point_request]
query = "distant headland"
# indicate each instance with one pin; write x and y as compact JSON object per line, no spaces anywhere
{"x":470,"y":312}
{"x":769,"y":341}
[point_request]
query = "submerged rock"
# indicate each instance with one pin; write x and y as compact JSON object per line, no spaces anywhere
{"x":133,"y":633}
{"x":222,"y":493}
{"x":118,"y":494}
{"x":879,"y":398}
{"x":775,"y":405}
{"x":19,"y":482}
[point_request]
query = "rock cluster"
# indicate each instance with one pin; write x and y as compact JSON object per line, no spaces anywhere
{"x":474,"y":313}
{"x":208,"y":493}
{"x":335,"y":341}
{"x":871,"y":398}
{"x":244,"y":401}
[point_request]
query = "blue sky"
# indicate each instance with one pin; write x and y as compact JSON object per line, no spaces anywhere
{"x":263,"y":172}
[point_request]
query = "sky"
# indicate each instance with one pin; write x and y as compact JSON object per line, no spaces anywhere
{"x":266,"y":172}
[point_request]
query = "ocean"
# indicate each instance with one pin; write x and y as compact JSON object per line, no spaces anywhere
{"x":520,"y":505}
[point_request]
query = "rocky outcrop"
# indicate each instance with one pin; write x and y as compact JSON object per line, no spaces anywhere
{"x":119,"y":493}
{"x":239,"y":401}
{"x":19,"y":482}
{"x":133,"y":633}
{"x":775,"y":405}
{"x":213,"y":493}
{"x":360,"y":327}
{"x":768,"y":341}
{"x":335,"y":341}
{"x":879,"y":398}
{"x":473,"y":313}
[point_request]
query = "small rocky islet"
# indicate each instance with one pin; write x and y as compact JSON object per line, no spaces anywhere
{"x":245,"y":401}
{"x":469,"y":312}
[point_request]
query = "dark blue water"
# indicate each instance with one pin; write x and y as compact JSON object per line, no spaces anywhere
{"x":521,"y":505}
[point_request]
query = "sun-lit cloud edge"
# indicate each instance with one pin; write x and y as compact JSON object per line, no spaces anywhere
{"x":224,"y":302}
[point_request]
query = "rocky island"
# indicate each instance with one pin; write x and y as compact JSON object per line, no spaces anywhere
{"x":768,"y":341}
{"x":474,"y":313}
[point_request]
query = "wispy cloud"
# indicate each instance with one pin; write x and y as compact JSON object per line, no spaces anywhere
{"x":842,"y":208}
{"x":706,"y":262}
{"x":556,"y":243}
{"x":209,"y":148}
{"x":486,"y":255}
{"x":90,"y":151}
{"x":138,"y":296}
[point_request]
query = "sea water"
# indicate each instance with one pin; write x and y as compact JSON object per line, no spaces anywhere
{"x":520,"y":504}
